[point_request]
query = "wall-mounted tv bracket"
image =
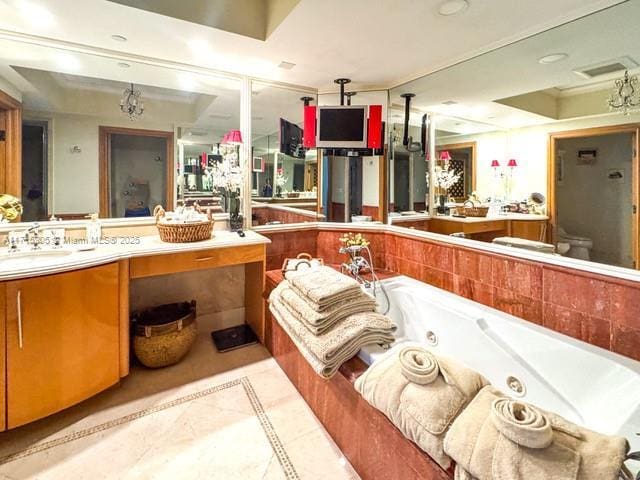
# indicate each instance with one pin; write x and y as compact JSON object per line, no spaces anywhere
{"x":407,"y":109}
{"x":342,"y":82}
{"x":306,"y":100}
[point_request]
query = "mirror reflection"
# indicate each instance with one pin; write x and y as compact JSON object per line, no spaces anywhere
{"x":284,"y":175}
{"x":99,"y":135}
{"x":353,"y":179}
{"x":536,"y":142}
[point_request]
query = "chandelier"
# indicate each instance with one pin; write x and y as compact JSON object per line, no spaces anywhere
{"x":625,"y":96}
{"x":131,"y":103}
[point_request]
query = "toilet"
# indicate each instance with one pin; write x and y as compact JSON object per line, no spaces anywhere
{"x":579,"y":247}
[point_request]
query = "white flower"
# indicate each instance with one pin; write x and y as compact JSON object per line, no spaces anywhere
{"x":443,"y":177}
{"x":227,"y":175}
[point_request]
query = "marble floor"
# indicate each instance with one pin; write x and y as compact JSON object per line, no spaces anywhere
{"x":215,"y":416}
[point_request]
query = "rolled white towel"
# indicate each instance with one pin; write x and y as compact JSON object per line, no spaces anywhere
{"x":418,"y":365}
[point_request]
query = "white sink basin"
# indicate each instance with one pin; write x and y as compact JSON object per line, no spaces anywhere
{"x":27,"y":258}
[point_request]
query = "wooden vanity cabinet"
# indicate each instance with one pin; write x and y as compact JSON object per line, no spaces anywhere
{"x":535,"y":230}
{"x":62,"y":341}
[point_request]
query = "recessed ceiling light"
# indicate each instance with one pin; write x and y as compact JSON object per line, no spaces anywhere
{"x":552,"y":58}
{"x":123,"y":65}
{"x":450,"y":102}
{"x":453,"y":7}
{"x":119,"y":38}
{"x":286,"y":65}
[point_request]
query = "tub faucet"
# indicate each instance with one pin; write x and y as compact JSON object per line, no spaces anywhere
{"x":356,"y":264}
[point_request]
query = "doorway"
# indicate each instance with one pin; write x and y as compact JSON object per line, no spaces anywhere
{"x":593,"y":194}
{"x":463,"y":162}
{"x":401,"y":182}
{"x":34,"y":170}
{"x":136,"y":171}
{"x":10,"y":145}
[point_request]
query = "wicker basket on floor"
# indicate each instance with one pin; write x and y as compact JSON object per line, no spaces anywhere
{"x":163,"y":335}
{"x":183,"y":232}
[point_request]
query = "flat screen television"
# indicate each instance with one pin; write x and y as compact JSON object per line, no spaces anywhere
{"x":291,"y":139}
{"x":342,"y":127}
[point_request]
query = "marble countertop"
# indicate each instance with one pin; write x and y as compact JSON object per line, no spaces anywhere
{"x":494,"y":218}
{"x":73,"y":257}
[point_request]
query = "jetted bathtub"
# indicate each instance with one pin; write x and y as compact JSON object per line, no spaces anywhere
{"x":588,"y":385}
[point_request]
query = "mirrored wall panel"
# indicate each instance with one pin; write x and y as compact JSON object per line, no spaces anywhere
{"x":353,"y":180}
{"x":536,"y":142}
{"x":99,"y":135}
{"x":284,"y":175}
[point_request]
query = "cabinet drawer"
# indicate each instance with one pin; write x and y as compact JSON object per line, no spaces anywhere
{"x":488,"y":226}
{"x":183,"y":262}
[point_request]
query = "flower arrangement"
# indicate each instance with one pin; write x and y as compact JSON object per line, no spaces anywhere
{"x":354,"y":240}
{"x":227,"y":175}
{"x":280,"y":179}
{"x":444,"y":178}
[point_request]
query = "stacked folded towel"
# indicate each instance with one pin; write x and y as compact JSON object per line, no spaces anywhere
{"x":500,"y":438}
{"x":420,"y":393}
{"x":328,"y":317}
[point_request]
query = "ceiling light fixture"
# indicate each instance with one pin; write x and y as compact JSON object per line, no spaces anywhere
{"x":119,"y":38}
{"x":453,"y":7}
{"x":553,"y":58}
{"x":123,"y":65}
{"x":286,"y":65}
{"x":626,"y":95}
{"x":131,"y":103}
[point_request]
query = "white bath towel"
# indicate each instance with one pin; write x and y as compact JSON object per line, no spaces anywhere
{"x":420,"y":393}
{"x":327,"y":352}
{"x":323,"y":286}
{"x":320,"y":322}
{"x":500,"y":438}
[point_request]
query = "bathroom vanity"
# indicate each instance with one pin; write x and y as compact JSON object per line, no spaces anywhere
{"x":65,"y":332}
{"x":527,"y":226}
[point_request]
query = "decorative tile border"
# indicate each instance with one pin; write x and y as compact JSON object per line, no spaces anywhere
{"x":270,"y":432}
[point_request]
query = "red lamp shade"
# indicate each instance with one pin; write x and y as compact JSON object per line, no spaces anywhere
{"x":234,"y":137}
{"x":512,"y":163}
{"x":495,"y":163}
{"x":445,"y":156}
{"x":225,"y":139}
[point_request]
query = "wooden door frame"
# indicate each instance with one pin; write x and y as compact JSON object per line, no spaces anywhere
{"x":474,"y":152}
{"x":634,"y":130}
{"x":104,"y":134}
{"x":11,"y":171}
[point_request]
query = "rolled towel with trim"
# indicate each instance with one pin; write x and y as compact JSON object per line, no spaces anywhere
{"x":423,"y":410}
{"x":499,"y":438}
{"x":521,"y":423}
{"x":418,"y":365}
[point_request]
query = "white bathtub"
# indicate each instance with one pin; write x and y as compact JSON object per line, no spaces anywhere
{"x":585,"y":384}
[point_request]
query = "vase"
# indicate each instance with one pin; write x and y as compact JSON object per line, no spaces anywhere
{"x":441,"y":209}
{"x":232,"y":207}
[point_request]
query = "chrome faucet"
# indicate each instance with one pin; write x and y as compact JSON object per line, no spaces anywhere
{"x":33,"y":236}
{"x":357,"y":263}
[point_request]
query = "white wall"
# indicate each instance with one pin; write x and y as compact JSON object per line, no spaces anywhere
{"x":10,"y":89}
{"x":370,"y":181}
{"x":592,"y":205}
{"x":74,"y":176}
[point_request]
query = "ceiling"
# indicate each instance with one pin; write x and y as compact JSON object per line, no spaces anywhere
{"x":509,"y":88}
{"x":375,"y":42}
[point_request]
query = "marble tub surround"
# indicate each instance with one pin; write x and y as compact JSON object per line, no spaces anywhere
{"x":123,"y":246}
{"x":264,"y":213}
{"x":598,"y":304}
{"x":231,"y":415}
{"x":370,"y":442}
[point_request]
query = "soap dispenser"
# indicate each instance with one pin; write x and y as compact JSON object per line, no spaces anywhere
{"x":94,"y":229}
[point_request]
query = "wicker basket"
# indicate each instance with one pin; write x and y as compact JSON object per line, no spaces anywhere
{"x":182,"y":232}
{"x":164,"y":335}
{"x":292,"y":264}
{"x":470,"y":209}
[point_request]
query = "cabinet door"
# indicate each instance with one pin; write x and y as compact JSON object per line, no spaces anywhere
{"x":62,"y":341}
{"x":528,"y":229}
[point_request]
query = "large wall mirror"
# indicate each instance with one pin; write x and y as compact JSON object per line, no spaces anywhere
{"x":284,"y":176}
{"x":103,"y":135}
{"x":352,"y":182}
{"x":536,"y":133}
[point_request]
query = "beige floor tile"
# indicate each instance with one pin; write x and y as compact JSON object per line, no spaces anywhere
{"x":213,"y":436}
